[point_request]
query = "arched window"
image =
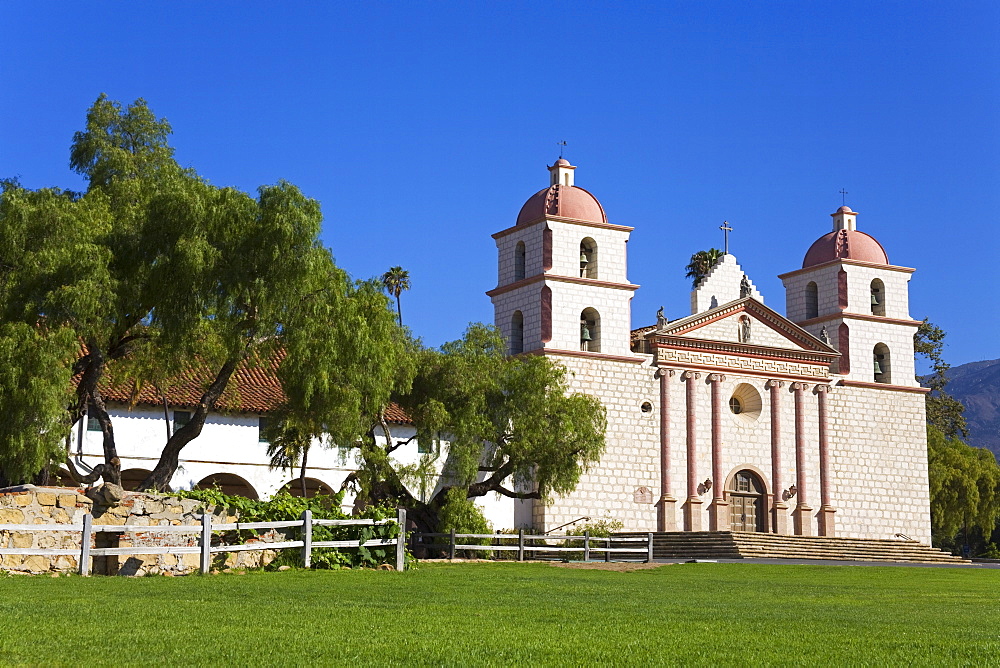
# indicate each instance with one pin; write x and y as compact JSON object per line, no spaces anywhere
{"x":517,"y":333}
{"x":883,"y":364}
{"x":519,"y":261}
{"x":878,"y":297}
{"x":588,"y":258}
{"x":228,"y":483}
{"x":812,"y":301}
{"x":590,"y":331}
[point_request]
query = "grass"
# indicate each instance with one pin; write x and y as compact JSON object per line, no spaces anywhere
{"x":507,"y":614}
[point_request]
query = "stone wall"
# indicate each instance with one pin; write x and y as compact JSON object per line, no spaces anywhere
{"x":28,"y":504}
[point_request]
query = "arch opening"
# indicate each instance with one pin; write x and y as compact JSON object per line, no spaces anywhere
{"x":313,"y":487}
{"x":812,"y":300}
{"x":228,"y":483}
{"x":878,"y":297}
{"x":517,"y":333}
{"x":132,"y":478}
{"x":882,"y":363}
{"x":519,"y":255}
{"x":747,"y":496}
{"x":590,"y":331}
{"x":588,"y":258}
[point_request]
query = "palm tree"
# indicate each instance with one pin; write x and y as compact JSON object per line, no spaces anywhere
{"x":396,"y":280}
{"x":701,"y":264}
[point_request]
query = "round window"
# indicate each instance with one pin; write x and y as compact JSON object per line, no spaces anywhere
{"x":646,"y":407}
{"x":735,"y":406}
{"x":745,"y":403}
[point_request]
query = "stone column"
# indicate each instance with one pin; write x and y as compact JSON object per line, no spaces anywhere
{"x":826,"y":511}
{"x":779,"y":514}
{"x":692,"y":508}
{"x":666,"y":517}
{"x":802,"y":515}
{"x":718,"y":513}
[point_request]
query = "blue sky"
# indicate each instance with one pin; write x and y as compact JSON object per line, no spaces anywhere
{"x":423,"y":127}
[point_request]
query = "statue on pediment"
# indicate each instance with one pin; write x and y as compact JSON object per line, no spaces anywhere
{"x":745,"y":289}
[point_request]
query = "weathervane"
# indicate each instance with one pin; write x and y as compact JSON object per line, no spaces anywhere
{"x":725,"y":231}
{"x":843,"y":197}
{"x":561,"y":145}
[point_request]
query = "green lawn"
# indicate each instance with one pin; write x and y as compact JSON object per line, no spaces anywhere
{"x":508,"y":614}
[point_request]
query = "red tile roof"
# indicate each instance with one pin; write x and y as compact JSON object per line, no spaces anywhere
{"x":253,"y":388}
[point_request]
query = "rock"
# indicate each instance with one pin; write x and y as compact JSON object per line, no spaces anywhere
{"x":284,"y":568}
{"x":22,"y":500}
{"x":386,"y":567}
{"x":61,"y":517}
{"x":11,"y":516}
{"x":35,"y":564}
{"x":46,"y":541}
{"x":112,"y":493}
{"x":66,"y":501}
{"x":176,"y":510}
{"x":54,"y":575}
{"x":22,"y":539}
{"x":214,"y":571}
{"x":46,"y":498}
{"x":64,"y":562}
{"x":153,"y":506}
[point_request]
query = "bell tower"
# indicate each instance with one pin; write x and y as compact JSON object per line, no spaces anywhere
{"x":561,"y":280}
{"x":848,"y":294}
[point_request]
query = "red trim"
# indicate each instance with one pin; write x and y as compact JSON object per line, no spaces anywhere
{"x":560,"y":279}
{"x":842,"y":289}
{"x":859,"y":263}
{"x":546,"y":306}
{"x":857,"y":316}
{"x":884,"y":386}
{"x":581,"y":353}
{"x":558,"y":219}
{"x":844,"y":344}
{"x":546,"y":249}
{"x":746,"y":372}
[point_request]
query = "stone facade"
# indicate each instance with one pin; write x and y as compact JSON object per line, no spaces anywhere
{"x":745,"y":394}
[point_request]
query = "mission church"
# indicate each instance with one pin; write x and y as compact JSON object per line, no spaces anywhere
{"x":733,"y":418}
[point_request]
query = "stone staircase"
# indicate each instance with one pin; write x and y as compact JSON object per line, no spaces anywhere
{"x":739,"y":545}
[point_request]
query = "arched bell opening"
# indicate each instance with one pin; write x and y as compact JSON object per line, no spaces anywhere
{"x":228,"y":483}
{"x":812,"y":300}
{"x":590,"y":331}
{"x":588,"y":258}
{"x":747,"y":495}
{"x":882,"y":363}
{"x":878,"y":297}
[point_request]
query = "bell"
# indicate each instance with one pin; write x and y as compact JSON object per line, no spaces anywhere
{"x":878,"y":368}
{"x":583,"y":259}
{"x":585,"y":333}
{"x":874,"y":298}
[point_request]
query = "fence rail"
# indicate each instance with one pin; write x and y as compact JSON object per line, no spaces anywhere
{"x":642,"y":544}
{"x":86,"y":531}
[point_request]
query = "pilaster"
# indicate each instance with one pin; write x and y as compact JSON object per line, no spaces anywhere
{"x":692,"y":507}
{"x":666,"y":515}
{"x":802,"y":515}
{"x":779,"y":516}
{"x":718,"y":512}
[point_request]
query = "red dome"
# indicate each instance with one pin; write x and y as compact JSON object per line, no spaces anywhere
{"x":563,"y":202}
{"x":845,"y":244}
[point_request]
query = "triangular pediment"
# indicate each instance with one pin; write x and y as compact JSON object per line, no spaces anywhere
{"x":745,"y":322}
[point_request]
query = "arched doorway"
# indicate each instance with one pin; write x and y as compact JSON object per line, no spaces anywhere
{"x":132,"y":478}
{"x":747,"y":503}
{"x":314,"y":487}
{"x":230,"y":484}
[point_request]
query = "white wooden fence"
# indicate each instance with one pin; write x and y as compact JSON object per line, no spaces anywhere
{"x":640,"y":546}
{"x":205,"y":548}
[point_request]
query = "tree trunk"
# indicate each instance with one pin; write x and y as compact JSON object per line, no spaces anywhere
{"x":89,"y":392}
{"x":302,"y":473}
{"x":159,"y":478}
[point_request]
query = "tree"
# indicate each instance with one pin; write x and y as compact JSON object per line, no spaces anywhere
{"x":701,"y":265}
{"x":507,"y":426}
{"x":396,"y":281}
{"x":944,"y":412}
{"x":964,"y":486}
{"x":157,"y":271}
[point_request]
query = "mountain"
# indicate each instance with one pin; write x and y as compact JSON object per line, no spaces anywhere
{"x":977,"y":386}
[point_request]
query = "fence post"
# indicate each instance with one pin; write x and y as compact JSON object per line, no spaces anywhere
{"x":520,"y":544}
{"x":206,"y":543}
{"x":649,"y":549}
{"x":607,"y":552}
{"x":586,"y":545}
{"x":307,"y":538}
{"x":451,"y":546}
{"x":401,"y":539}
{"x":84,"y":564}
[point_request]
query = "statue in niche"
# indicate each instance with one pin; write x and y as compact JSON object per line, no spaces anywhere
{"x":745,"y":289}
{"x":661,"y":320}
{"x":824,"y":335}
{"x":744,"y":330}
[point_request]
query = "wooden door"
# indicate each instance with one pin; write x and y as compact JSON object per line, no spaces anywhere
{"x":746,"y":502}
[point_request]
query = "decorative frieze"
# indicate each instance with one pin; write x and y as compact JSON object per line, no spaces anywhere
{"x":748,"y":364}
